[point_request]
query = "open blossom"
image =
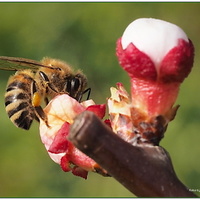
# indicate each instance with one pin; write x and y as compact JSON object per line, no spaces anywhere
{"x":157,"y":56}
{"x":61,"y":112}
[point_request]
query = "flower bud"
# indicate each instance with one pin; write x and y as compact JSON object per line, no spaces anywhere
{"x":158,"y":56}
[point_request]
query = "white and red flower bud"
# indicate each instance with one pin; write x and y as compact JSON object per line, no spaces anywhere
{"x":157,"y":56}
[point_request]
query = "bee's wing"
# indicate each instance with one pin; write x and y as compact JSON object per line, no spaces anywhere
{"x":14,"y":64}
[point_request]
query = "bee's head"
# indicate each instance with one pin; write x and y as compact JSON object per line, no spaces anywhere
{"x":75,"y":85}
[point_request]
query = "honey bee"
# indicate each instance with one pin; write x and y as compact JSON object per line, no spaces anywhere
{"x":35,"y":82}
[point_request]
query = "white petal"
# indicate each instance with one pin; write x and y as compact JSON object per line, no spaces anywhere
{"x":154,"y":37}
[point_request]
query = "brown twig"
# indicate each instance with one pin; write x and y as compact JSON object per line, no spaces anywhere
{"x":146,"y":171}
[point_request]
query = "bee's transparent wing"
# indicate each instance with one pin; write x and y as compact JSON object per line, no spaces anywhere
{"x":14,"y":64}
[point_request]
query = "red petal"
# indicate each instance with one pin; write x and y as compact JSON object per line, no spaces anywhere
{"x":107,"y":122}
{"x":60,"y":143}
{"x":65,"y":164}
{"x":99,"y":110}
{"x":78,"y":171}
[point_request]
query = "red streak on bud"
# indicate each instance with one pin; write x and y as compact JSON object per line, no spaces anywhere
{"x":177,"y":64}
{"x":135,"y":62}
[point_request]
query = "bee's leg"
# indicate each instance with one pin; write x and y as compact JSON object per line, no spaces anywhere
{"x":36,"y":102}
{"x":88,"y":90}
{"x":47,"y":82}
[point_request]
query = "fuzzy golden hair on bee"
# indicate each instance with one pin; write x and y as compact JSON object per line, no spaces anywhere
{"x":56,"y":63}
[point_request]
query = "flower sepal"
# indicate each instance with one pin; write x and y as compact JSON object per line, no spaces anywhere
{"x":132,"y":124}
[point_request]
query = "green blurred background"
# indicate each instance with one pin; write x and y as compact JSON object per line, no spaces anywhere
{"x":84,"y":35}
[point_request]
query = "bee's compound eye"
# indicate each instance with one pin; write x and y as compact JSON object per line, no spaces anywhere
{"x":72,"y":86}
{"x":75,"y":84}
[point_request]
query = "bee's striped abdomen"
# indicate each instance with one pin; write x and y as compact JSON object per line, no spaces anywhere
{"x":18,"y":100}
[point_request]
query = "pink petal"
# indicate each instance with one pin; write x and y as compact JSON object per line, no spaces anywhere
{"x":99,"y":110}
{"x":78,"y":171}
{"x":65,"y":164}
{"x":107,"y":122}
{"x":80,"y":159}
{"x":60,"y":142}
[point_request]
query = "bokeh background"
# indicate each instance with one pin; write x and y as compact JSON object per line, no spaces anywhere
{"x":84,"y":35}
